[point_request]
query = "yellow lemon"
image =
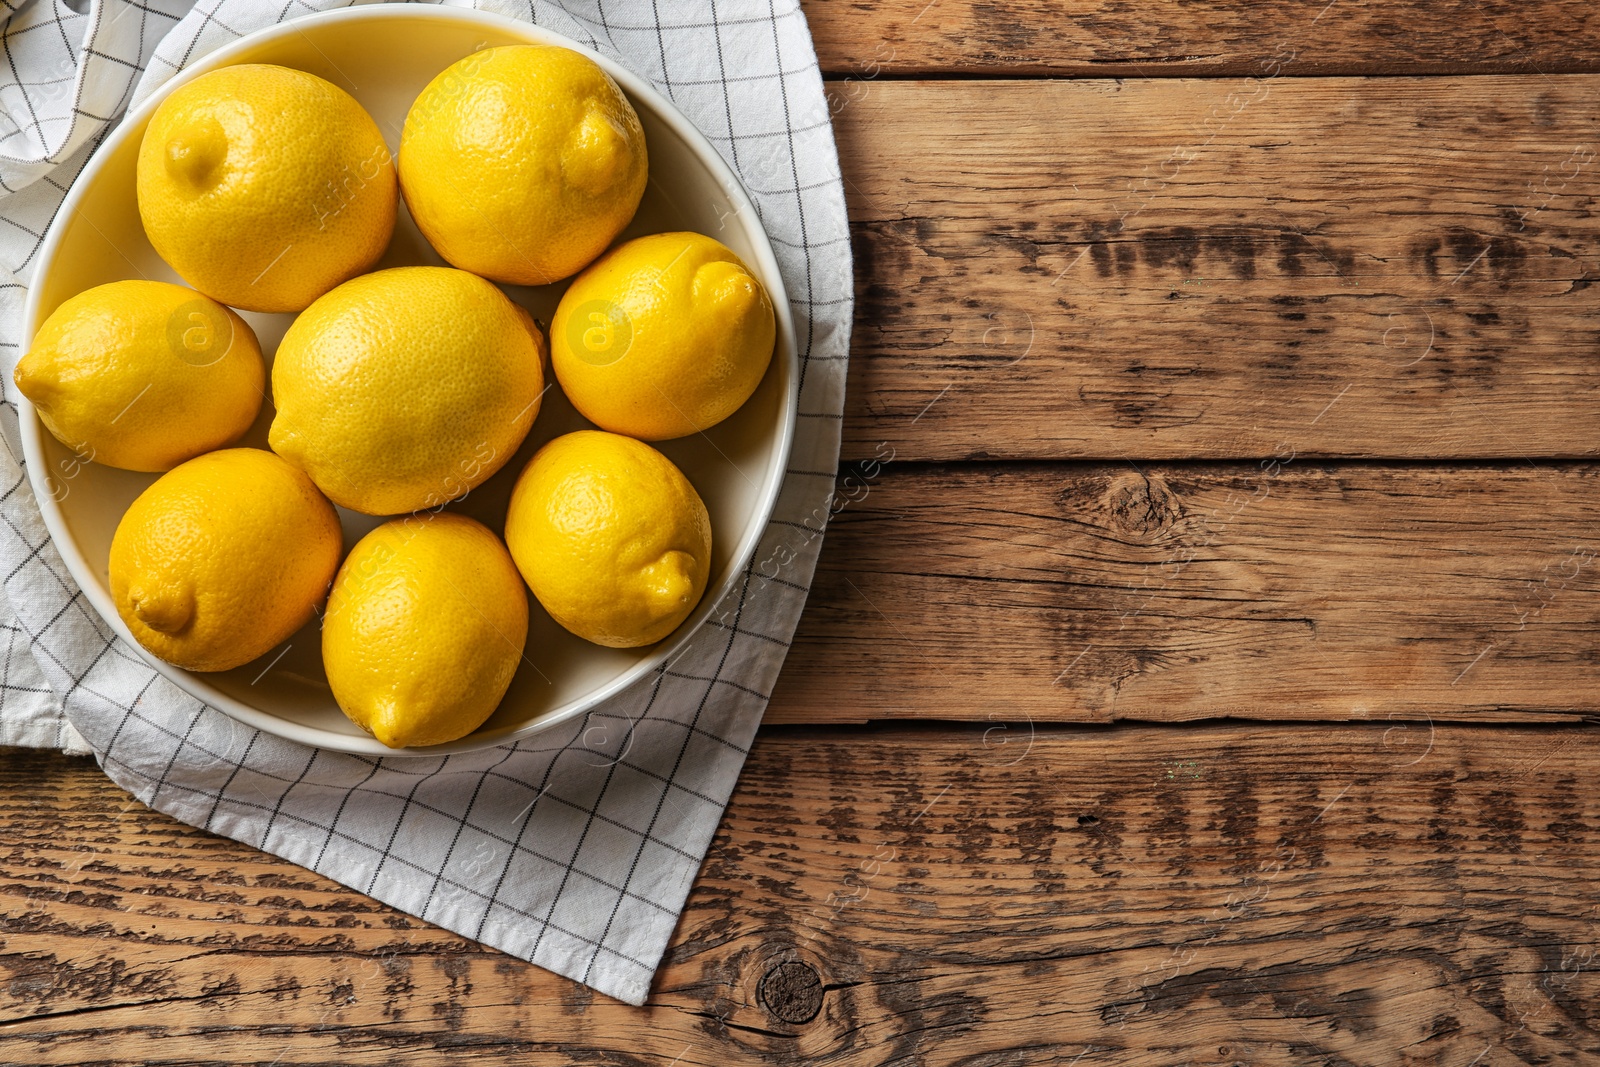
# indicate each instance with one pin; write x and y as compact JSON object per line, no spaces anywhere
{"x":522,"y":163}
{"x":664,"y":336}
{"x":223,"y":558}
{"x":611,"y":538}
{"x":143,"y":375}
{"x":406,"y":388}
{"x":424,"y":629}
{"x":264,"y":187}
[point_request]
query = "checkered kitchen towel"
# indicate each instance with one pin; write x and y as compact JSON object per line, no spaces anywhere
{"x":574,"y":849}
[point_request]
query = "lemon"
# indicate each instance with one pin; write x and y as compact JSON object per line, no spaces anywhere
{"x":406,"y":388}
{"x":265,"y":187}
{"x":664,"y":336}
{"x":143,"y":375}
{"x":522,"y":163}
{"x":424,"y":629}
{"x":222,"y":558}
{"x":611,"y":538}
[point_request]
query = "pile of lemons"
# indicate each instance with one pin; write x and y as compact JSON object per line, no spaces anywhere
{"x":398,"y":391}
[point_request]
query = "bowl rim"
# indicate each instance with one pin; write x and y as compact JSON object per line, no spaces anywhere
{"x":786,"y":360}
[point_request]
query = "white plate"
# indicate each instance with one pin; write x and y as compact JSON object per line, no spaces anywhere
{"x":383,"y":55}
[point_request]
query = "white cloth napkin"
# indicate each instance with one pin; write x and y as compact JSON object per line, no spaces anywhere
{"x":574,"y":849}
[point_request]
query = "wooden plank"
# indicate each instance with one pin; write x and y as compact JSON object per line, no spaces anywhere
{"x":1183,"y":268}
{"x":1104,"y":38}
{"x":1289,"y":589}
{"x":1225,"y":895}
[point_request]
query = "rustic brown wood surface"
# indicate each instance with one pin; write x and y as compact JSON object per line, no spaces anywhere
{"x":1287,"y":588}
{"x":1143,"y":895}
{"x":1224,"y":268}
{"x":1106,"y":38}
{"x":1228,"y":381}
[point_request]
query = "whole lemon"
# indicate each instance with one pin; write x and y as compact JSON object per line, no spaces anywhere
{"x":224,"y":557}
{"x":611,"y":538}
{"x":663,"y":336}
{"x":424,"y":629}
{"x":264,"y":187}
{"x":143,"y":375}
{"x":406,"y":388}
{"x":522,"y":163}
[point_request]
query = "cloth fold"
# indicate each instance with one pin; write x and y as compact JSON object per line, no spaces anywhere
{"x":574,"y":849}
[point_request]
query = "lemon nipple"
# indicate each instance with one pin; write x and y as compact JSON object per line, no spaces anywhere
{"x":196,"y":153}
{"x":164,"y":607}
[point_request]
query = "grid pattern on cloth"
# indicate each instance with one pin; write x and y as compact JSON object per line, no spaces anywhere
{"x":574,"y":849}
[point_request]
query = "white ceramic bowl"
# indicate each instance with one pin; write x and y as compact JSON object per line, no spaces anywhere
{"x":384,"y":55}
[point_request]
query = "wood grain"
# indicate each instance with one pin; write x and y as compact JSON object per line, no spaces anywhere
{"x":1186,"y":268}
{"x":1103,"y":38}
{"x":1286,"y":589}
{"x":1223,"y":895}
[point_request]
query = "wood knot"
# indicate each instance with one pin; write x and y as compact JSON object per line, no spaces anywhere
{"x":1141,"y":505}
{"x":792,"y":991}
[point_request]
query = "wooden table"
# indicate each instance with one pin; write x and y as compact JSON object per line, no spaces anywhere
{"x":1219,"y":505}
